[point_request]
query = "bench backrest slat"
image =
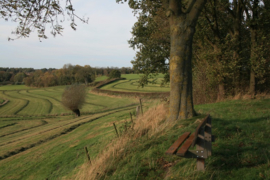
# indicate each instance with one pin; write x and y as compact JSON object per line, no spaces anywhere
{"x":198,"y":128}
{"x":184,"y":148}
{"x":177,"y":143}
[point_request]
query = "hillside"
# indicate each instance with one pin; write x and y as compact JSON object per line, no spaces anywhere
{"x":241,"y":150}
{"x":42,"y":140}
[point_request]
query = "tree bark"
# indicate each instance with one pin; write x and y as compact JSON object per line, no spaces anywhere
{"x":182,"y":29}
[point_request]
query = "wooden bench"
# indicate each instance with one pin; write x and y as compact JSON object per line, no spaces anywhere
{"x":202,"y":138}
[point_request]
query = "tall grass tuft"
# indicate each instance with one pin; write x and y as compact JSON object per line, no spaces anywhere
{"x":152,"y":123}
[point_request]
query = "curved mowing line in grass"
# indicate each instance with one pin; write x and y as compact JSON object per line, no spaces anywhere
{"x":85,"y":102}
{"x":36,"y":106}
{"x":12,"y":124}
{"x":51,"y":104}
{"x":48,"y":101}
{"x":132,"y":83}
{"x":65,"y":131}
{"x":4,"y":103}
{"x":96,"y":104}
{"x":24,"y":106}
{"x":42,"y":132}
{"x":127,"y":85}
{"x":43,"y":123}
{"x":10,"y":107}
{"x":56,"y":106}
{"x":54,"y":127}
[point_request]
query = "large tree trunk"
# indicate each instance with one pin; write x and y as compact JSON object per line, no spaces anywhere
{"x":182,"y":29}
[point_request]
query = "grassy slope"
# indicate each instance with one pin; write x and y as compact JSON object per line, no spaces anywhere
{"x":241,"y":150}
{"x":55,"y":149}
{"x":58,"y":157}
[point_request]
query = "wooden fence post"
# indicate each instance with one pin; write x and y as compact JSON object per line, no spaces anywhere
{"x":141,"y":106}
{"x":115,"y":129}
{"x":137,"y":111}
{"x":131,"y":117}
{"x":87,"y":154}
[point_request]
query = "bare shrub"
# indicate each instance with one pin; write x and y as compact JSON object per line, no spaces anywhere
{"x":73,"y":97}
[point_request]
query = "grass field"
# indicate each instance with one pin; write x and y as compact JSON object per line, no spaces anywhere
{"x":39,"y":139}
{"x":131,"y":84}
{"x":241,"y":150}
{"x":47,"y":101}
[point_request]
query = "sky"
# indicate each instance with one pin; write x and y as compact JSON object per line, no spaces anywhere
{"x":100,"y":43}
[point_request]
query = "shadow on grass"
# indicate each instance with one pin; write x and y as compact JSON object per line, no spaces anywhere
{"x":240,"y":144}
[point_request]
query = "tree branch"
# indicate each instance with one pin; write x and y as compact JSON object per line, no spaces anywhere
{"x":190,"y":6}
{"x":195,"y":10}
{"x":209,"y":41}
{"x":175,"y":7}
{"x":245,"y":9}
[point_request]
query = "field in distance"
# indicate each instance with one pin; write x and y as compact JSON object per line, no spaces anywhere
{"x":131,"y":84}
{"x":40,"y":139}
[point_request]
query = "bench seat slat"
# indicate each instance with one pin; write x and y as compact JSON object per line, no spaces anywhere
{"x":184,"y":148}
{"x":177,"y":143}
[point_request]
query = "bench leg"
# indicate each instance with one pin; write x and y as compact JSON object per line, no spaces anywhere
{"x":200,"y":164}
{"x":200,"y":147}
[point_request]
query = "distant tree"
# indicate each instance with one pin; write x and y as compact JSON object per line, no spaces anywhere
{"x":114,"y":74}
{"x":2,"y":76}
{"x":7,"y":76}
{"x":84,"y":74}
{"x":18,"y":78}
{"x":73,"y":97}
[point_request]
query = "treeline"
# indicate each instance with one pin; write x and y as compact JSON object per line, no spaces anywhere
{"x":16,"y":75}
{"x":230,"y":46}
{"x":69,"y":74}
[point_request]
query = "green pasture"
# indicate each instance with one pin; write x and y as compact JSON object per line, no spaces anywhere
{"x":40,"y":139}
{"x":131,"y":84}
{"x":127,"y":76}
{"x":47,"y":101}
{"x":55,"y":149}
